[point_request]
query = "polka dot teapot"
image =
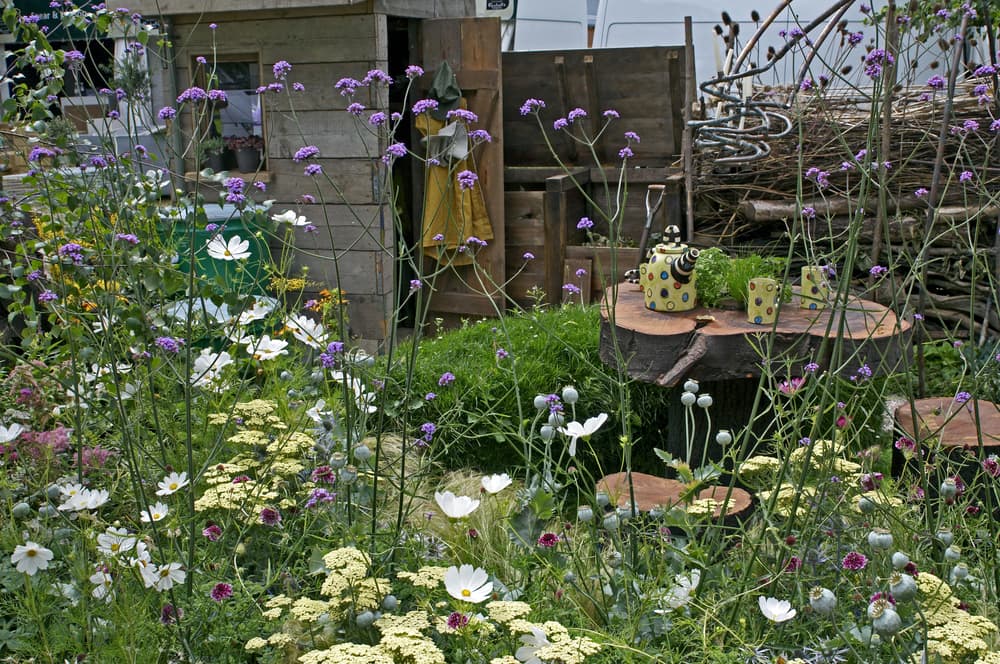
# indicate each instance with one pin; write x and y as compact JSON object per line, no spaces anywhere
{"x":667,"y":279}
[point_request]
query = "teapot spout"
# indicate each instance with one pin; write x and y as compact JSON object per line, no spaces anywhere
{"x":682,"y":268}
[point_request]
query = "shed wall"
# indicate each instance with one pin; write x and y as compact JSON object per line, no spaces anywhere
{"x":323,"y":45}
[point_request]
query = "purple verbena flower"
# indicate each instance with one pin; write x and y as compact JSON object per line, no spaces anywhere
{"x":307,"y":152}
{"x":466,"y":179}
{"x":424,"y":105}
{"x":531,"y":106}
{"x":171,"y":345}
{"x":281,"y":69}
{"x":447,"y":378}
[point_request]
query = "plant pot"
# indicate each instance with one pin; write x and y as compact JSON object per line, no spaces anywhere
{"x":214,"y":161}
{"x":247,"y":161}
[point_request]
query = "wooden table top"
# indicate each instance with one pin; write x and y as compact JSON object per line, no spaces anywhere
{"x":719,"y":344}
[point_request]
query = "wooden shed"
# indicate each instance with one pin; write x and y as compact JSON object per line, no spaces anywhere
{"x":326,"y":40}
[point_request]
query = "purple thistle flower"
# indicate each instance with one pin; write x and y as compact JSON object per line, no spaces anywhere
{"x":307,"y":152}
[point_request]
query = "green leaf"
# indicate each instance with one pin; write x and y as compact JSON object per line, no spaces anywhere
{"x":665,"y":457}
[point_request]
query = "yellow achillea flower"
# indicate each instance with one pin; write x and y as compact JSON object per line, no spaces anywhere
{"x":703,"y":506}
{"x":412,"y":623}
{"x":347,"y":653}
{"x":309,"y":610}
{"x":504,"y":612}
{"x":758,"y":467}
{"x":953,"y":634}
{"x":425,"y":577}
{"x":256,"y":643}
{"x":409,"y":648}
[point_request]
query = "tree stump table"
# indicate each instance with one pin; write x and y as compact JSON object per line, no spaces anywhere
{"x":719,"y":348}
{"x":713,"y":345}
{"x":953,"y":424}
{"x":651,"y":491}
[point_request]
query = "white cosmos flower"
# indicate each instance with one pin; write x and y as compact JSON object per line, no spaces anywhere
{"x":776,"y":610}
{"x":496,"y":483}
{"x":30,"y":557}
{"x":468,"y":584}
{"x":102,"y":585}
{"x":172,"y":483}
{"x":267,"y":348}
{"x":155,"y":512}
{"x":115,"y":541}
{"x":532,"y":642}
{"x":142,"y":559}
{"x":164,"y":577}
{"x":207,"y":369}
{"x":234,"y":249}
{"x":259,"y":311}
{"x":306,"y":330}
{"x":576,"y":430}
{"x":9,"y":433}
{"x":455,"y":507}
{"x":681,"y":593}
{"x":289,"y":217}
{"x":316,"y":413}
{"x":85,"y":499}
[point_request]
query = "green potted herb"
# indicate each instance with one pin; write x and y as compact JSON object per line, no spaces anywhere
{"x":210,"y":153}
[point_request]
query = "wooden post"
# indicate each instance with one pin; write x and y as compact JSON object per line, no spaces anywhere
{"x":687,"y":140}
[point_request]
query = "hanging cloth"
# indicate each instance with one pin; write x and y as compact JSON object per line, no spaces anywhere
{"x":449,"y":211}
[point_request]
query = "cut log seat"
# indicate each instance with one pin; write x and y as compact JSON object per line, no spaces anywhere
{"x":652,"y":491}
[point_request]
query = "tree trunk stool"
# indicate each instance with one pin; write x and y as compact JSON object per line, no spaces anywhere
{"x":652,"y":491}
{"x":953,"y":424}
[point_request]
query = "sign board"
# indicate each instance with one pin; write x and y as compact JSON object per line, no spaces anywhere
{"x":502,"y":9}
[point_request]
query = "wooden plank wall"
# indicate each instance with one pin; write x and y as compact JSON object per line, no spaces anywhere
{"x":323,"y":45}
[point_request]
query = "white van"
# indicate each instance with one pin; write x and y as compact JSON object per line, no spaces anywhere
{"x":539,"y":25}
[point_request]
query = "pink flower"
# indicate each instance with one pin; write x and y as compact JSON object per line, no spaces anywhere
{"x":854,"y":561}
{"x":221,"y":591}
{"x":791,"y":386}
{"x":270,"y":516}
{"x":212,"y":532}
{"x":548,"y":540}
